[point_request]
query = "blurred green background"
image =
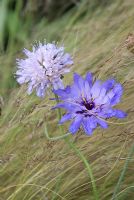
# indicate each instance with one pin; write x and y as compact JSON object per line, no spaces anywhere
{"x":19,"y":18}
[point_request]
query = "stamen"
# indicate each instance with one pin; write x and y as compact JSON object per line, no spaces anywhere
{"x":89,"y":105}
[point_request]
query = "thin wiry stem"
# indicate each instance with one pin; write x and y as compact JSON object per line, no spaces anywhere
{"x":54,"y":138}
{"x":87,"y":165}
{"x":77,"y":151}
{"x":123,"y":173}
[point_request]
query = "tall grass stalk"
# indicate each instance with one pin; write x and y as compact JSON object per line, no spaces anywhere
{"x":114,"y":197}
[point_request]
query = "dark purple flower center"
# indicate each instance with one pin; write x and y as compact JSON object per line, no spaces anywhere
{"x":89,"y":105}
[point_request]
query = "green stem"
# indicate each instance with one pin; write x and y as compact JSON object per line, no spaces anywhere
{"x":123,"y":173}
{"x":77,"y":151}
{"x":87,"y":165}
{"x":81,"y":156}
{"x":54,"y":138}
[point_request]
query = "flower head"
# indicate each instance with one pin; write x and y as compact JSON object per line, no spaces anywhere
{"x":43,"y":67}
{"x":89,"y":103}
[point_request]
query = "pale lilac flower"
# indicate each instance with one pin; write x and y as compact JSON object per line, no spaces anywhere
{"x":43,"y":67}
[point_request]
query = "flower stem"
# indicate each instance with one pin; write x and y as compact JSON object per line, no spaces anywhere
{"x":87,"y":165}
{"x":54,"y":138}
{"x":81,"y":156}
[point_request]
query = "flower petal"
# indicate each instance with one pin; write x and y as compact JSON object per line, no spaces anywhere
{"x":107,"y":112}
{"x":75,"y":125}
{"x":40,"y":92}
{"x":120,"y":113}
{"x":87,"y":90}
{"x":102,"y":123}
{"x":108,"y":84}
{"x":95,"y":91}
{"x":75,"y":92}
{"x":89,"y":78}
{"x":79,"y":81}
{"x":65,"y":118}
{"x":86,"y":125}
{"x":21,"y":80}
{"x":67,"y":106}
{"x":30,"y":89}
{"x":58,"y":84}
{"x":63,"y":93}
{"x":117,"y":90}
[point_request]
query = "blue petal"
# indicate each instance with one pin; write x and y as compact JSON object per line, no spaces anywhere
{"x":63,"y":92}
{"x":59,"y":92}
{"x":75,"y":125}
{"x":76,"y":78}
{"x":108,"y":112}
{"x":95,"y":91}
{"x":92,"y":122}
{"x":102,"y":123}
{"x":87,"y":90}
{"x":67,"y":89}
{"x":102,"y":99}
{"x":79,"y":81}
{"x":120,"y":113}
{"x":108,"y":84}
{"x":87,"y":127}
{"x":65,"y":118}
{"x":102,"y":92}
{"x":117,"y":90}
{"x":75,"y":92}
{"x":89,"y":78}
{"x":67,"y":106}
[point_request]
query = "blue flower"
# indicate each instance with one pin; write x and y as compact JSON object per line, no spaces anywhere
{"x":43,"y":67}
{"x":89,"y":103}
